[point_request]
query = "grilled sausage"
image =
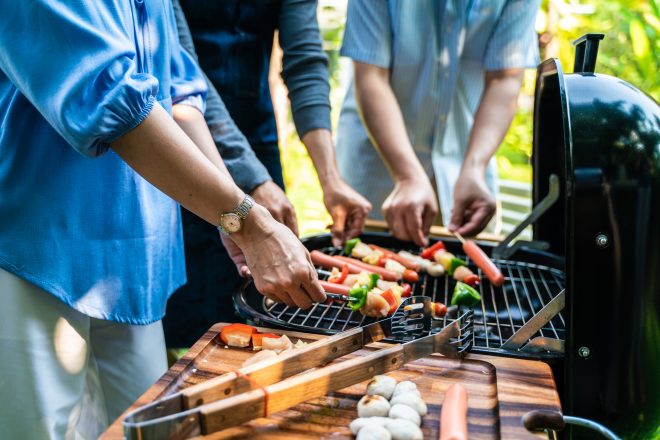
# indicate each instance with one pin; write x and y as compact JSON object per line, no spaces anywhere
{"x":327,"y":261}
{"x":482,"y":261}
{"x":410,"y":264}
{"x":453,"y":418}
{"x":334,"y":287}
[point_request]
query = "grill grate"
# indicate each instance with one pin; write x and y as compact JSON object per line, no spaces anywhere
{"x":503,"y":310}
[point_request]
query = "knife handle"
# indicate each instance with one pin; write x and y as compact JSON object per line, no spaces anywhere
{"x":269,"y":371}
{"x":279,"y":396}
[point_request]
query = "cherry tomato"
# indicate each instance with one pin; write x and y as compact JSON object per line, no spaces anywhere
{"x":410,"y":275}
{"x":407,"y":290}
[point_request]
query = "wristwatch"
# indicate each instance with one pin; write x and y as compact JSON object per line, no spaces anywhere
{"x":232,"y":221}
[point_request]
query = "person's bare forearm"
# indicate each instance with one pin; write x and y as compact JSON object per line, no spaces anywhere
{"x":322,"y":152}
{"x":162,"y":153}
{"x":493,"y":118}
{"x":192,"y":122}
{"x":383,"y":119}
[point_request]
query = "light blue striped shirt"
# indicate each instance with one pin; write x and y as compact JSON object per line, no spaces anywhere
{"x":437,"y":52}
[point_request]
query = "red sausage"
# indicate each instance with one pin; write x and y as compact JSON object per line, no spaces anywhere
{"x":396,"y":257}
{"x":385,"y":274}
{"x":453,"y":418}
{"x":484,"y":263}
{"x":327,"y":261}
{"x":334,"y":288}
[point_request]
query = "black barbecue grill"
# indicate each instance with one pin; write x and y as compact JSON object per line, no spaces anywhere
{"x":596,"y":198}
{"x":530,"y":284}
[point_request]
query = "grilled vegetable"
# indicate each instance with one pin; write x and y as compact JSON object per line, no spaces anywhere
{"x":373,"y":258}
{"x":435,"y":270}
{"x":391,"y":299}
{"x":430,"y":251}
{"x":407,"y":290}
{"x":350,"y":244}
{"x":465,"y":295}
{"x":395,"y":266}
{"x":278,"y":345}
{"x":237,"y":335}
{"x":423,"y":263}
{"x":471,"y":280}
{"x":376,"y":306}
{"x":360,"y":250}
{"x":339,"y":278}
{"x":439,"y":309}
{"x":360,"y":292}
{"x":407,"y":262}
{"x":465,"y":275}
{"x":353,"y":263}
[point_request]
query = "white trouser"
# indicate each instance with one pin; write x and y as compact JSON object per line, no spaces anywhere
{"x":64,"y":375}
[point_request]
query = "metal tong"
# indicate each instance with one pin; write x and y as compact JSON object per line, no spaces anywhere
{"x":275,"y":384}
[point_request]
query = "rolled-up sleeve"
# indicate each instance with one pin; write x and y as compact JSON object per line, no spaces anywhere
{"x":188,"y":85}
{"x":75,"y":62}
{"x":513,"y":43}
{"x":368,"y":34}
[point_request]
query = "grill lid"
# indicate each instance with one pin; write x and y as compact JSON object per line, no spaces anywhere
{"x":601,"y":135}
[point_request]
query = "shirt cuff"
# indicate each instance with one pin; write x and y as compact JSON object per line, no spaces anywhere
{"x":362,"y":56}
{"x":196,"y":101}
{"x":247,"y":174}
{"x":311,"y":117}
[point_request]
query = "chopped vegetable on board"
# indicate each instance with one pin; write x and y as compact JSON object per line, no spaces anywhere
{"x":237,"y":335}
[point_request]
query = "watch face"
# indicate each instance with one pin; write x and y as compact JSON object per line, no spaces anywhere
{"x":231,"y":222}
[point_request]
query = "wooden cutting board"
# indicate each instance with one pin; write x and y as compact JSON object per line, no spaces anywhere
{"x":500,"y":391}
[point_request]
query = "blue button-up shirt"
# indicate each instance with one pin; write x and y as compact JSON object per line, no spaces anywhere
{"x":437,"y":52}
{"x":75,"y":220}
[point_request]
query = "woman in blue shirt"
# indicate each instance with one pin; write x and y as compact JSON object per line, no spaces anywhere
{"x":90,"y":250}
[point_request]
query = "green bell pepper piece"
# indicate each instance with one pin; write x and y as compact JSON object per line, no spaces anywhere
{"x":373,"y":280}
{"x":360,"y":294}
{"x":350,"y":244}
{"x":465,"y":295}
{"x":455,"y":263}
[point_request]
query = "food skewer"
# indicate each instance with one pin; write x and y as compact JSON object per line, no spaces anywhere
{"x":482,"y":261}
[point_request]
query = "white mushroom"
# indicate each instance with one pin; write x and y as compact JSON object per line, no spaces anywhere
{"x":405,"y":387}
{"x":412,"y":400}
{"x":373,"y":432}
{"x":404,"y":430}
{"x":435,"y":270}
{"x":400,"y":411}
{"x":360,"y":423}
{"x":381,"y":385}
{"x":370,"y":406}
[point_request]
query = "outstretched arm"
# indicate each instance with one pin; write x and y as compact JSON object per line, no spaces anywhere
{"x":412,"y":205}
{"x":474,"y":205}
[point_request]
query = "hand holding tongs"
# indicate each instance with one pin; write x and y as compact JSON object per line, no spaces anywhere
{"x":267,"y":386}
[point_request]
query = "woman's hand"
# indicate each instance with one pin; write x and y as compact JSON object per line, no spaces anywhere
{"x":410,"y":209}
{"x":279,"y":263}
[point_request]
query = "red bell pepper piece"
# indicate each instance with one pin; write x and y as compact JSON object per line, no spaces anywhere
{"x":471,"y":280}
{"x":391,"y":299}
{"x":340,"y":279}
{"x":407,"y":290}
{"x":431,"y":250}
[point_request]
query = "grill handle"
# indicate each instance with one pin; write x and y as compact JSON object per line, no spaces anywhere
{"x":586,"y":52}
{"x":541,"y":419}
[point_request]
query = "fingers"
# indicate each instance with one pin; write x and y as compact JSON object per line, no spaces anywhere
{"x":338,"y":226}
{"x":355,"y":224}
{"x":413,"y":221}
{"x":427,"y":220}
{"x":457,"y":215}
{"x":477,"y":221}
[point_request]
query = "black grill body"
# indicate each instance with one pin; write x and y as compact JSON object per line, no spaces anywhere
{"x":602,"y":137}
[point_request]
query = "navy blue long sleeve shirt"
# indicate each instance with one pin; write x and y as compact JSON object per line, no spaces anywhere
{"x":233,"y":39}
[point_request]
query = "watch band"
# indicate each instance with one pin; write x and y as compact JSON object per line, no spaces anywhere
{"x":243,"y":209}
